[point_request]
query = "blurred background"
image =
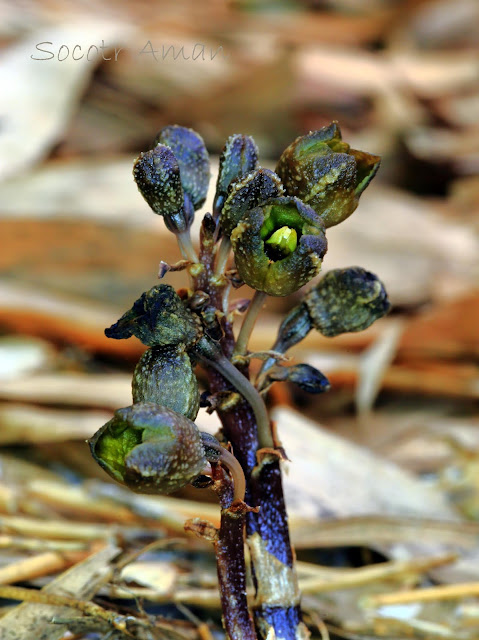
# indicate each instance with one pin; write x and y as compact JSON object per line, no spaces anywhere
{"x":84,"y":87}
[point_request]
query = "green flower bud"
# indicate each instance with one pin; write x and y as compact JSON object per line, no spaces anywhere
{"x":247,"y":193}
{"x":239,"y":157}
{"x":165,"y":376}
{"x":346,"y":300}
{"x":150,"y":449}
{"x":158,"y":318}
{"x":193,"y":161}
{"x":323,"y":171}
{"x":278,"y":247}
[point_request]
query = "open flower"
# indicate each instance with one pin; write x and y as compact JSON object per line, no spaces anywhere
{"x":323,"y":171}
{"x":150,"y":449}
{"x":279,"y":246}
{"x":249,"y":192}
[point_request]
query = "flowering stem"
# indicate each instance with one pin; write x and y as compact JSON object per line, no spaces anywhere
{"x":267,"y":530}
{"x":249,"y":321}
{"x":249,"y":393}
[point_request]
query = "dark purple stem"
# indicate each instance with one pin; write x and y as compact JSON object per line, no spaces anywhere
{"x":267,"y":530}
{"x":230,"y":562}
{"x":275,"y":606}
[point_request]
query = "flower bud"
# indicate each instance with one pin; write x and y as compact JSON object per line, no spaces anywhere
{"x":165,"y":376}
{"x":158,"y":318}
{"x":323,"y":171}
{"x":239,"y":158}
{"x":295,"y":327}
{"x":346,"y":300}
{"x":157,"y":176}
{"x":150,"y":449}
{"x":193,"y":161}
{"x":278,"y":247}
{"x":305,"y":376}
{"x":247,"y":193}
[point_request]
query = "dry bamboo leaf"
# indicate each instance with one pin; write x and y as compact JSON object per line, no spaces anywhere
{"x":419,"y":377}
{"x":34,"y":544}
{"x":338,"y":579}
{"x":373,"y":365}
{"x":429,"y":74}
{"x":60,"y":319}
{"x":34,"y":621}
{"x":330,"y":476}
{"x":102,"y":190}
{"x":24,"y":424}
{"x":61,"y":529}
{"x":160,"y":576}
{"x":362,"y":530}
{"x":99,"y":190}
{"x":20,"y":356}
{"x":40,"y":92}
{"x":111,"y":264}
{"x":76,"y":500}
{"x":42,"y":564}
{"x":450,"y":329}
{"x":447,"y":24}
{"x":91,"y":390}
{"x":171,"y":512}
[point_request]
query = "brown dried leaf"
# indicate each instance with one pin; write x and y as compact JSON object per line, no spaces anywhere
{"x":81,"y":581}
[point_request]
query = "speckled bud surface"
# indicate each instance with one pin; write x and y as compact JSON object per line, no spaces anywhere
{"x":346,"y":300}
{"x":149,"y":448}
{"x":323,"y":171}
{"x":192,"y":157}
{"x":157,"y":175}
{"x":249,"y":192}
{"x":165,"y":376}
{"x":273,"y":274}
{"x":158,"y":318}
{"x":238,"y":158}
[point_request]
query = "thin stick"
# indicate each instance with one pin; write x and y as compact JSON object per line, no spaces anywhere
{"x":222,"y":256}
{"x":443,"y":592}
{"x":186,"y":246}
{"x":249,"y":321}
{"x":333,"y":580}
{"x":40,"y":565}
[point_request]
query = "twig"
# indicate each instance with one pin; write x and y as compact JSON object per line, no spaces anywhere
{"x":349,"y":579}
{"x":40,"y":565}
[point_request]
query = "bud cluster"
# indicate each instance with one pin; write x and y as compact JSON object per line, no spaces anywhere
{"x":275,"y":223}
